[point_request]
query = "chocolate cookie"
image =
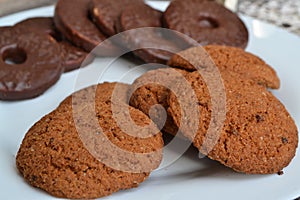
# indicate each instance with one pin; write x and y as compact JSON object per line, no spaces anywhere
{"x":106,"y":13}
{"x":207,"y":22}
{"x":68,"y":156}
{"x":228,"y":59}
{"x":152,"y":89}
{"x":30,"y":63}
{"x":151,"y":45}
{"x":72,"y":19}
{"x":257,"y":136}
{"x":73,"y":57}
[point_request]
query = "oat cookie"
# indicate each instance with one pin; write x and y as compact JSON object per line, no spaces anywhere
{"x":54,"y":155}
{"x":228,"y":59}
{"x":152,"y":88}
{"x":258,"y":135}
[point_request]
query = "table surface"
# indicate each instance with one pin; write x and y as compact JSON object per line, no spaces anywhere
{"x":283,"y":13}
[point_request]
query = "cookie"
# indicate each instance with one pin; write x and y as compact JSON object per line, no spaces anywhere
{"x":152,"y":89}
{"x":207,"y":22}
{"x":257,"y":136}
{"x":73,"y":57}
{"x":151,"y":45}
{"x":30,"y":63}
{"x":228,"y":59}
{"x":72,"y":19}
{"x":68,"y":156}
{"x":106,"y":13}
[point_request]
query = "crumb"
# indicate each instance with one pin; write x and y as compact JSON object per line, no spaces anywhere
{"x":280,"y":173}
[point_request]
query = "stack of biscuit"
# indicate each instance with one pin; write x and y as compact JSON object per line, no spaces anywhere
{"x":229,"y":86}
{"x":82,"y":29}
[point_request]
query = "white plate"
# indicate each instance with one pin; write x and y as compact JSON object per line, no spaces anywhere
{"x":188,"y":177}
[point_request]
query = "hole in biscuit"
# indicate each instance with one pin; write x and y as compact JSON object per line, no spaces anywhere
{"x":13,"y":55}
{"x":207,"y":22}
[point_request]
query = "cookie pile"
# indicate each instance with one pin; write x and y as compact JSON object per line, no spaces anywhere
{"x":257,"y":134}
{"x":201,"y":22}
{"x":106,"y":137}
{"x":79,"y":26}
{"x":65,"y":153}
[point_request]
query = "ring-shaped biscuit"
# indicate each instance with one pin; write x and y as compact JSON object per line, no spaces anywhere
{"x":29,"y":64}
{"x":73,"y":58}
{"x":72,"y":19}
{"x":207,"y":22}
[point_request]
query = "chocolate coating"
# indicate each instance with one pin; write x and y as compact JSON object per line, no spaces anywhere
{"x":106,"y":13}
{"x":72,"y":19}
{"x":36,"y":64}
{"x":73,"y":57}
{"x":139,"y":16}
{"x":207,"y":22}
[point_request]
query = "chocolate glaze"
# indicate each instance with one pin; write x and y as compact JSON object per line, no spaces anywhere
{"x":207,"y":22}
{"x":39,"y":64}
{"x":73,"y":57}
{"x":72,"y":19}
{"x":106,"y":13}
{"x":139,"y":16}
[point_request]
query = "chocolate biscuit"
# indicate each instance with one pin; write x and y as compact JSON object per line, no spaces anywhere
{"x":141,"y":24}
{"x":207,"y":22}
{"x":30,"y":63}
{"x":73,"y":57}
{"x":106,"y":13}
{"x":72,"y":19}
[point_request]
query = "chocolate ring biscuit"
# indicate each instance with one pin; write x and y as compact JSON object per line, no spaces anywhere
{"x":72,"y":19}
{"x":228,"y":59}
{"x":207,"y":22}
{"x":258,"y":135}
{"x":140,"y":15}
{"x":74,"y":57}
{"x":106,"y":13}
{"x":53,"y":155}
{"x":30,"y":63}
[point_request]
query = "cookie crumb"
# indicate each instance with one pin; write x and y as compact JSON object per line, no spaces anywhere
{"x":280,"y":173}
